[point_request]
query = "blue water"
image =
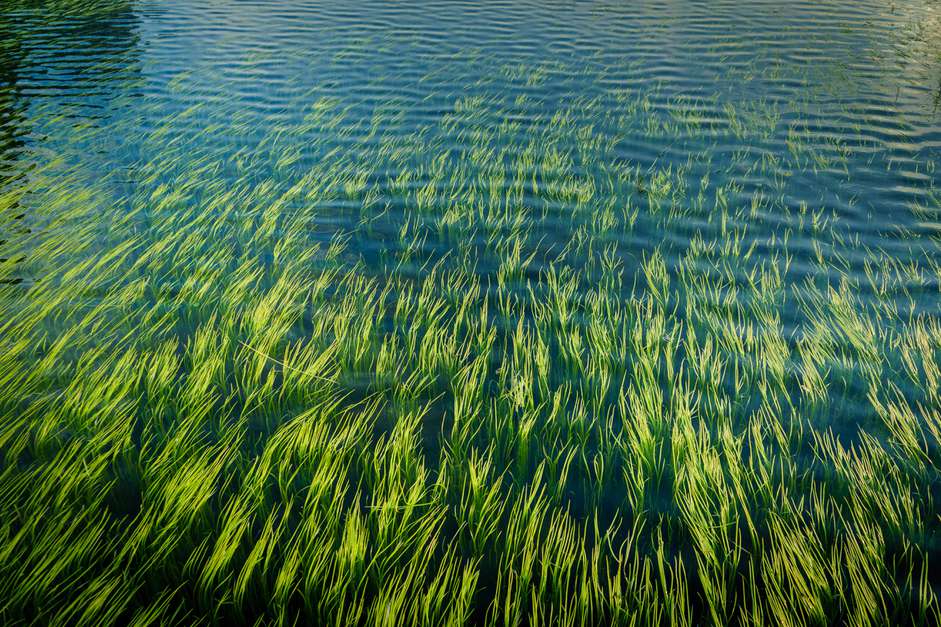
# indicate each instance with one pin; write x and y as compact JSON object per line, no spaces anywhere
{"x":857,"y":83}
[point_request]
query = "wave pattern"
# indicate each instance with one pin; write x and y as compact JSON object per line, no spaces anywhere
{"x":845,"y":84}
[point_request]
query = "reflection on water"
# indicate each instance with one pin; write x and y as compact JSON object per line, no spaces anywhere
{"x":11,"y":101}
{"x":63,"y":58}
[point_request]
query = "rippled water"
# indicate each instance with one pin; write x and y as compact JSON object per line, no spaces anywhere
{"x":838,"y":99}
{"x":505,"y":140}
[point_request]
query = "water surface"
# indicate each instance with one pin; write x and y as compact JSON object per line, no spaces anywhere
{"x":659,"y":240}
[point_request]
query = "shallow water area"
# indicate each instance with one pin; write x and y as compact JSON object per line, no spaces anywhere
{"x":470,"y":312}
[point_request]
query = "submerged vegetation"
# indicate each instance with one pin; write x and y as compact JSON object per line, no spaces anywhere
{"x":482,"y":367}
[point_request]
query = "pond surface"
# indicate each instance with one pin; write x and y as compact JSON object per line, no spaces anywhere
{"x":834,"y":105}
{"x":339,"y":309}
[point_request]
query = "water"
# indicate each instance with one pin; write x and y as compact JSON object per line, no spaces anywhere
{"x":754,"y":183}
{"x":850,"y":88}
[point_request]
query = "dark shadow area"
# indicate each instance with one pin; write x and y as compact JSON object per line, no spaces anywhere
{"x":69,"y":58}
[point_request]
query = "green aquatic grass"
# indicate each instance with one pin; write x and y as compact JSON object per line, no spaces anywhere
{"x":454,"y":375}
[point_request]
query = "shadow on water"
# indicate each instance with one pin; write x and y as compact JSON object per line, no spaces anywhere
{"x":65,"y":60}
